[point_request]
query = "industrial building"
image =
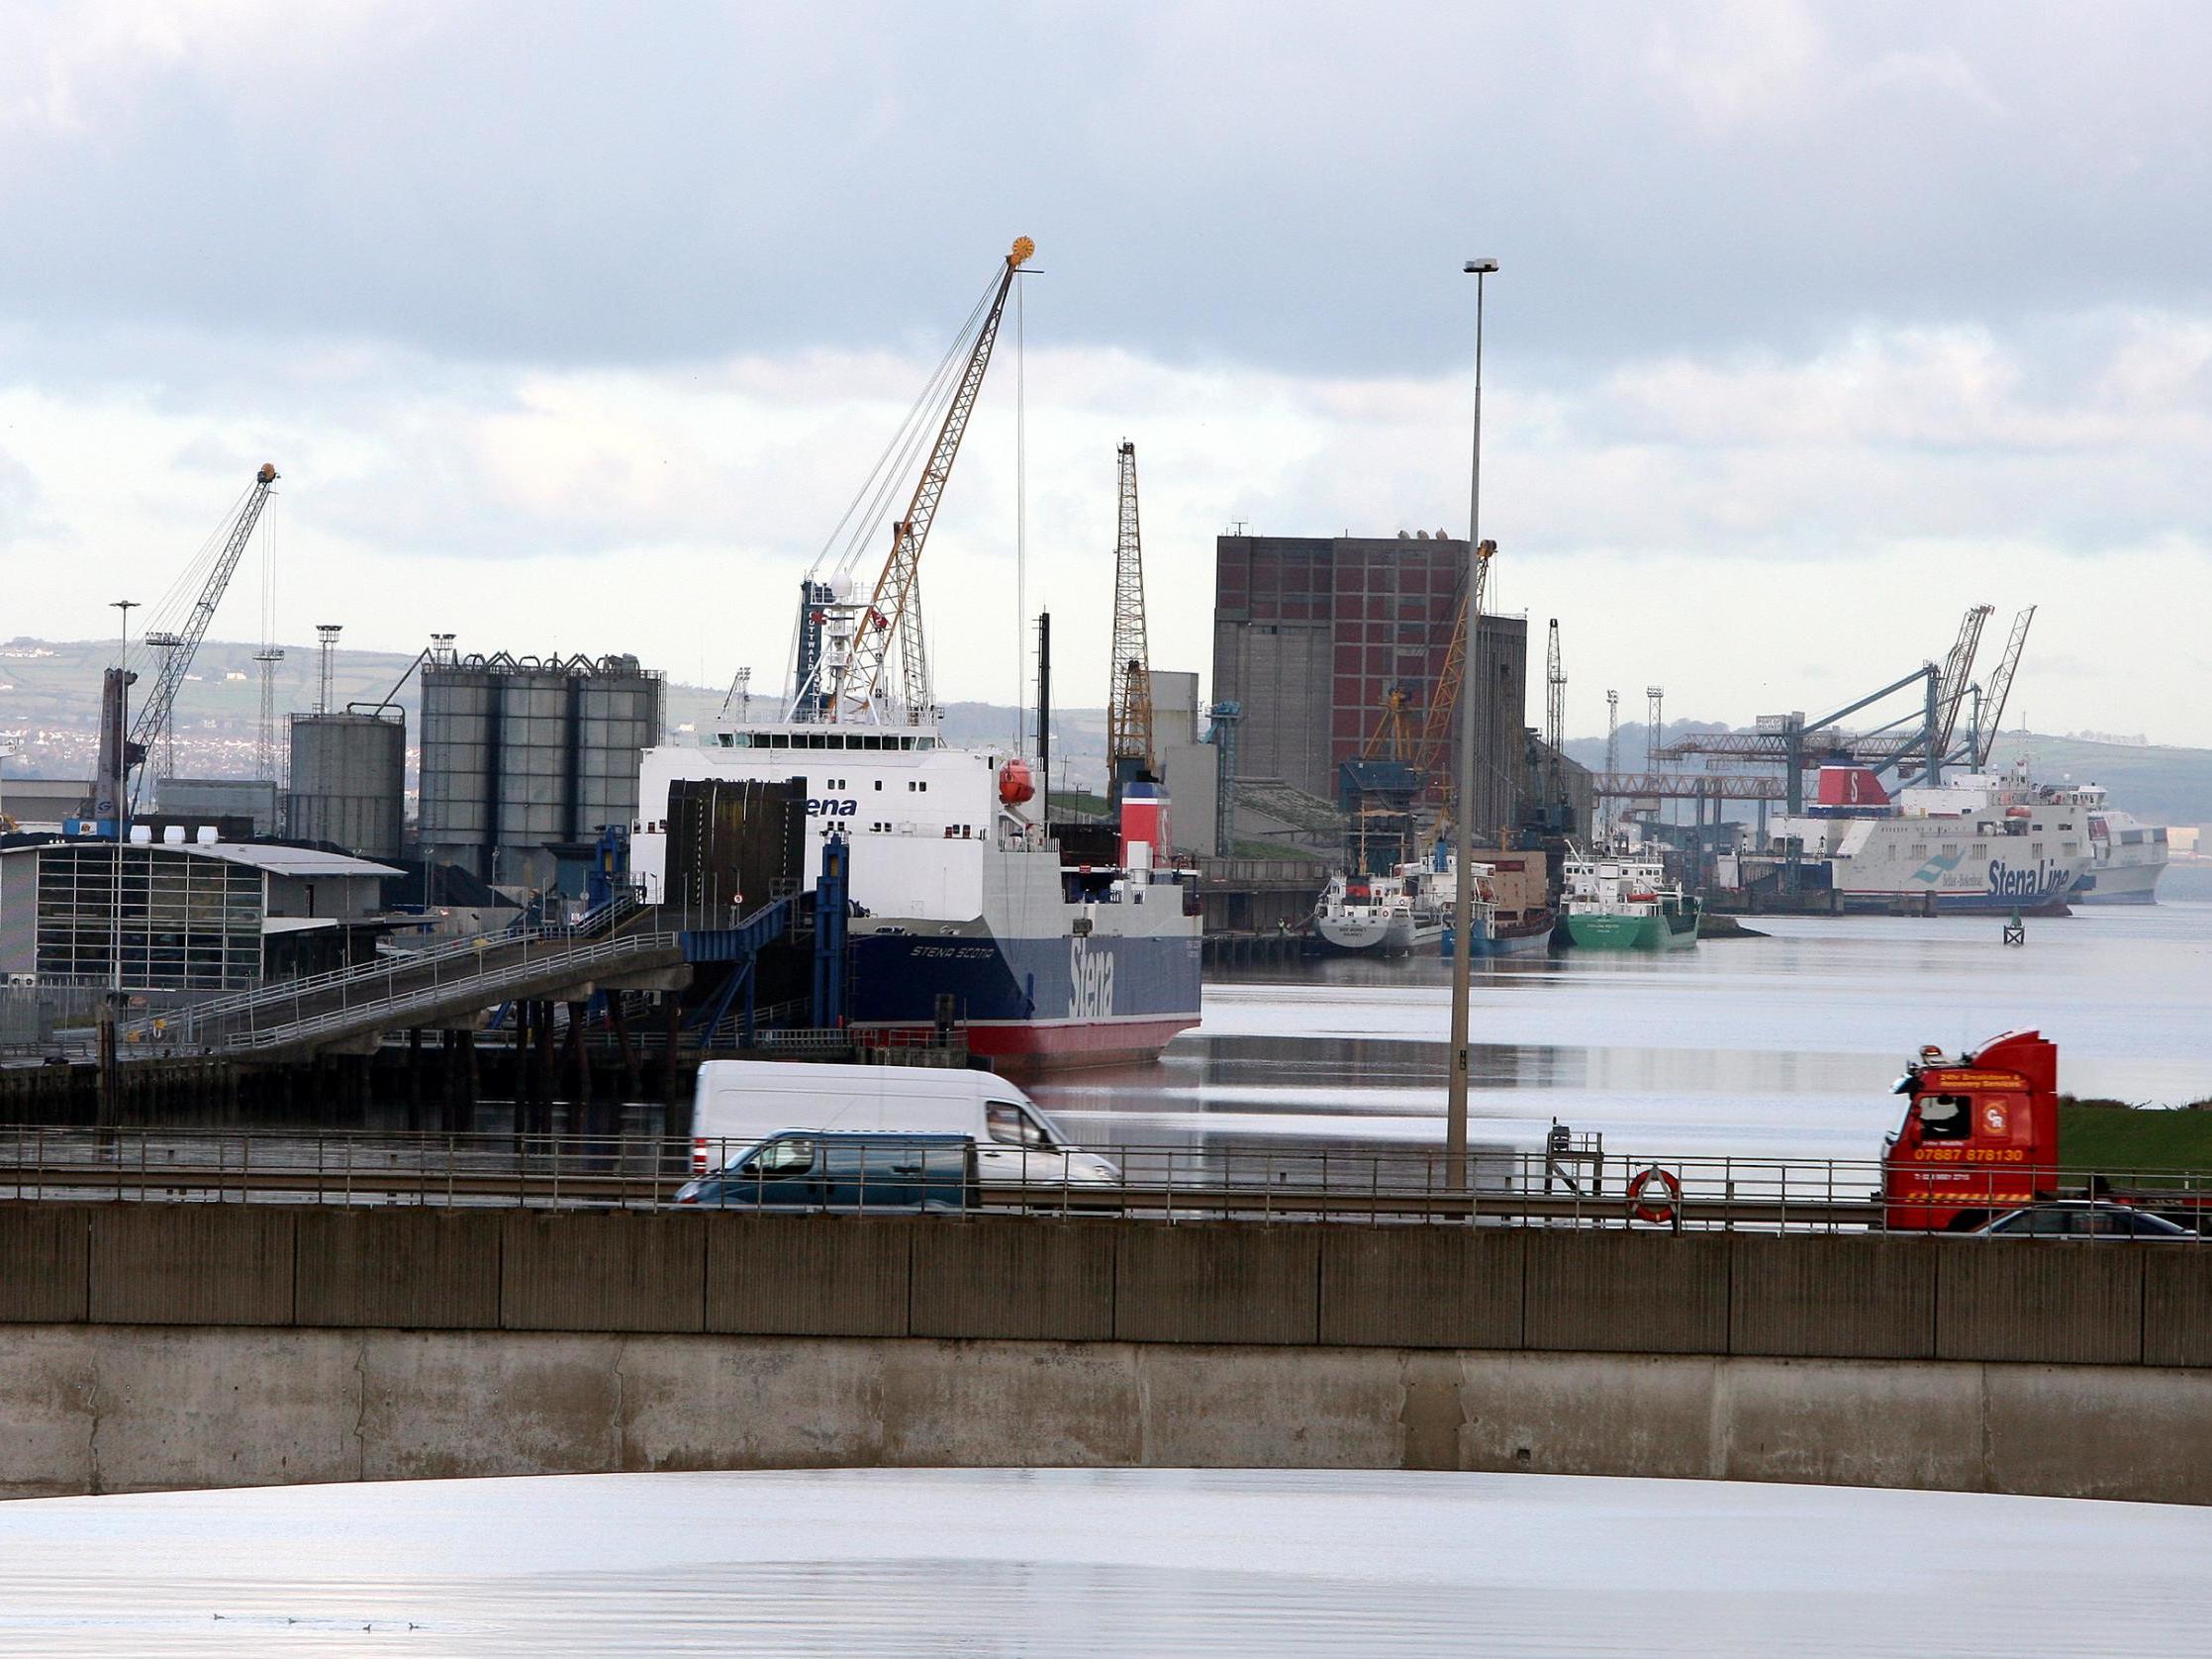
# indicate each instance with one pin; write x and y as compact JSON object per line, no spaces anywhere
{"x":188,"y":914}
{"x":205,"y":800}
{"x":1312,"y":637}
{"x":348,"y":781}
{"x":527,"y":759}
{"x":1187,"y":764}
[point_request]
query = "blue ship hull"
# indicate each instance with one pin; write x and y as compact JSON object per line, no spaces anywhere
{"x":1034,"y":1003}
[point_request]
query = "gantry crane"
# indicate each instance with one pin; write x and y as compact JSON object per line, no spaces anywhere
{"x":179,"y":645}
{"x":893,"y":609}
{"x":2001,"y":688}
{"x":1129,"y":751}
{"x":1957,"y":671}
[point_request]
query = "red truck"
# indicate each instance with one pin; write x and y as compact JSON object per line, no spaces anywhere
{"x":1979,"y":1136}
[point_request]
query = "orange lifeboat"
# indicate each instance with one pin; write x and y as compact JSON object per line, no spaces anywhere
{"x":1015,"y":785}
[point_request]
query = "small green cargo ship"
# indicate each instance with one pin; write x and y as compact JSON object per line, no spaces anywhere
{"x":1624,"y":901}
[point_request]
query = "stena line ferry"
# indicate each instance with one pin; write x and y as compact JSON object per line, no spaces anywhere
{"x":958,"y":891}
{"x":1978,"y":841}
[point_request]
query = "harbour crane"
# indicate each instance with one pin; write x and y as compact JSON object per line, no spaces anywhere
{"x":858,"y":665}
{"x":180,"y":644}
{"x":1436,"y":728}
{"x":1130,"y":749}
{"x":1957,"y":672}
{"x":2001,"y":688}
{"x":1555,"y":719}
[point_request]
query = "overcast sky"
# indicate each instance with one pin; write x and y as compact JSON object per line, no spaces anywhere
{"x":574,"y":327}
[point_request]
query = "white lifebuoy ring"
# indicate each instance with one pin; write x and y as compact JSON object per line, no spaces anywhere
{"x":1646,"y":1208}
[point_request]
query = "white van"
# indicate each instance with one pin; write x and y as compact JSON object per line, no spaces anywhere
{"x":741,"y":1103}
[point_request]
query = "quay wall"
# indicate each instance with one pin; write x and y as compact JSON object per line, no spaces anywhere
{"x":152,"y":1345}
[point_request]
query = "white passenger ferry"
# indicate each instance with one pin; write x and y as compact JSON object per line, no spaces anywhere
{"x":1978,"y":841}
{"x":2126,"y":855}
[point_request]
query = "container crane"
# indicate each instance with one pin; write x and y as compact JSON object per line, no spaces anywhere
{"x":2001,"y":688}
{"x":1957,"y":672}
{"x":178,"y":646}
{"x":860,"y":670}
{"x":1129,"y":751}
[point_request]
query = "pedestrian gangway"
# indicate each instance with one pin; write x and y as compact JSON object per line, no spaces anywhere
{"x":619,"y":947}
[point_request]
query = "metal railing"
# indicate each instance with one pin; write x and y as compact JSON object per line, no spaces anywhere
{"x":280,"y":1013}
{"x":1174,"y":1183}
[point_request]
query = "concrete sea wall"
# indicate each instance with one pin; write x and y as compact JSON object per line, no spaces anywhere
{"x":151,"y":1345}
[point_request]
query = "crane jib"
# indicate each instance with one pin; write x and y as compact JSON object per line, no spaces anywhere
{"x":861,"y":684}
{"x":176,"y":660}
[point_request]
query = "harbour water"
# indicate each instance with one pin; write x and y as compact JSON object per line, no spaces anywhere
{"x":1092,"y":1563}
{"x":1784,"y":1046}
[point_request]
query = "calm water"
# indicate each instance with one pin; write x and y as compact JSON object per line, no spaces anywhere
{"x":1759,"y":1046}
{"x":1062,"y":1562}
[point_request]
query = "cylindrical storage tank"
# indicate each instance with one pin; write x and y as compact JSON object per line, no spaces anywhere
{"x":458,"y":748}
{"x":349,"y":777}
{"x":524,"y":755}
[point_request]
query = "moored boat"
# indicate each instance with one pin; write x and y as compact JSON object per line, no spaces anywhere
{"x":1624,"y":900}
{"x":1049,"y":962}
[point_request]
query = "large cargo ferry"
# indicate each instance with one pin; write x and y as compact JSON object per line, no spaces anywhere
{"x":1979,"y":841}
{"x":1049,"y":963}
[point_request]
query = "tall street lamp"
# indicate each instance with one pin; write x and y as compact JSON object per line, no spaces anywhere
{"x":1472,"y":686}
{"x":113,"y":1012}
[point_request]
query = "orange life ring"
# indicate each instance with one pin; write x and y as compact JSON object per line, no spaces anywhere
{"x":1646,"y":1209}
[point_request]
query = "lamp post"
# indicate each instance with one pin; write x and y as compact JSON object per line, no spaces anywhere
{"x":1472,"y":686}
{"x":113,"y":1012}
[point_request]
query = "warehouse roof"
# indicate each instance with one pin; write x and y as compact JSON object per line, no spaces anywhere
{"x":273,"y":857}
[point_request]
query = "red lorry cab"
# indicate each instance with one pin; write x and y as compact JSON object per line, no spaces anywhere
{"x":1979,"y":1136}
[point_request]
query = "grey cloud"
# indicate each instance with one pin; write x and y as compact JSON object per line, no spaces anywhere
{"x":1277,"y":185}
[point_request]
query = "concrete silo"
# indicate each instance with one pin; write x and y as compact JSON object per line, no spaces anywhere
{"x":527,"y":758}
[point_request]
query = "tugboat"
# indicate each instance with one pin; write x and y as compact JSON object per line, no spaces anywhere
{"x":1622,"y":901}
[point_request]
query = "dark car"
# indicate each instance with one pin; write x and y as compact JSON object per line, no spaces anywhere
{"x":808,"y":1169}
{"x":2083,"y":1218}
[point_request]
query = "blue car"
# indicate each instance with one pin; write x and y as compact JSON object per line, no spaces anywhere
{"x":875,"y":1174}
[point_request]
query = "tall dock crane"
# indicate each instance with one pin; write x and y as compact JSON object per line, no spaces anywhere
{"x":2001,"y":688}
{"x":1129,"y":748}
{"x":860,"y":673}
{"x":1437,"y":729}
{"x":179,"y":645}
{"x":1555,"y":719}
{"x":1957,"y":671}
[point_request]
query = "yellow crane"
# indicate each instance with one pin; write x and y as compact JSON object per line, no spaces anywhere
{"x":894,"y":610}
{"x":1437,"y":729}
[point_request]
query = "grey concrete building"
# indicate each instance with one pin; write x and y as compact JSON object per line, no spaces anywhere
{"x":1313,"y":633}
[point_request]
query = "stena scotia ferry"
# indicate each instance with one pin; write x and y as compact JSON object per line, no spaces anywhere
{"x":957,"y":890}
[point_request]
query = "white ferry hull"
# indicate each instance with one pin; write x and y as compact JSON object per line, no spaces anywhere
{"x":2118,"y":884}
